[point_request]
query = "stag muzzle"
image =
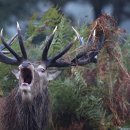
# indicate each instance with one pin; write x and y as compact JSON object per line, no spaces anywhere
{"x":26,"y":76}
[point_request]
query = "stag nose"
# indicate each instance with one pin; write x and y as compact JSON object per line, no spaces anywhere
{"x":25,"y":64}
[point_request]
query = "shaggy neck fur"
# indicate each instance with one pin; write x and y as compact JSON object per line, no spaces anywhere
{"x":26,"y":116}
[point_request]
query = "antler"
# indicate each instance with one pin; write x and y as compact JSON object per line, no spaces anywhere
{"x":21,"y":42}
{"x":52,"y":62}
{"x":16,"y":60}
{"x":10,"y":42}
{"x":90,"y":56}
{"x":80,"y":59}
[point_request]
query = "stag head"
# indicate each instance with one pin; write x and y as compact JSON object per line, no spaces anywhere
{"x":33,"y":77}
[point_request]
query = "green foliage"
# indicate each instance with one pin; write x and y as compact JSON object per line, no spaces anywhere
{"x":32,"y":26}
{"x":39,"y":28}
{"x":126,"y":53}
{"x":52,"y":17}
{"x":64,"y":101}
{"x":7,"y":80}
{"x":91,"y":106}
{"x":64,"y":96}
{"x":63,"y":36}
{"x":71,"y":98}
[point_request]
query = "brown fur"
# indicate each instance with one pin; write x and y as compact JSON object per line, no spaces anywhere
{"x":18,"y":115}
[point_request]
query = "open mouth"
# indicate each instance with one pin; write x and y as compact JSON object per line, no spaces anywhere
{"x":27,"y":76}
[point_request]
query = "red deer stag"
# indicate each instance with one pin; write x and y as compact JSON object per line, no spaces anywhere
{"x":27,"y":106}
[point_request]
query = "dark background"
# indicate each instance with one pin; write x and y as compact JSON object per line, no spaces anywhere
{"x":78,"y":10}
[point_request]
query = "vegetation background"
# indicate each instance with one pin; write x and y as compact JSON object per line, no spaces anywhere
{"x":83,"y":98}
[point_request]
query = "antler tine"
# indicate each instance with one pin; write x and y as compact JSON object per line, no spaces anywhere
{"x":85,"y":58}
{"x":59,"y":64}
{"x":89,"y":57}
{"x":4,"y":58}
{"x":47,"y":45}
{"x":21,"y":42}
{"x":8,"y":47}
{"x":63,"y":51}
{"x":2,"y":47}
{"x":78,"y":36}
{"x":8,"y":60}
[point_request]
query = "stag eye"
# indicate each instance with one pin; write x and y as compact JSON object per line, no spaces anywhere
{"x":26,"y":75}
{"x":42,"y":70}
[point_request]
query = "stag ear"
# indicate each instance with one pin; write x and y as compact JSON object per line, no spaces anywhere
{"x":16,"y":73}
{"x":52,"y":74}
